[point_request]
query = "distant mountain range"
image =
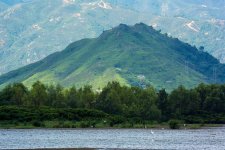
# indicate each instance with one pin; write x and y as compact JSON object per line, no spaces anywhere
{"x":132,"y":55}
{"x":32,"y":29}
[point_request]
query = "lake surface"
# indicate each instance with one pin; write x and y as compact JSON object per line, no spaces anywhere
{"x":213,"y":138}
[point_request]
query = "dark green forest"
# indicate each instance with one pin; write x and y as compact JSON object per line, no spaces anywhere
{"x":114,"y":104}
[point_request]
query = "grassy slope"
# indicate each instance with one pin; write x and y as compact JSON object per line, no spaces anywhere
{"x":135,"y":55}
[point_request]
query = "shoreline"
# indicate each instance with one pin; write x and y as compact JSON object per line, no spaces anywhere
{"x":156,"y":127}
{"x":69,"y":149}
{"x":83,"y":149}
{"x":87,"y":149}
{"x":75,"y":149}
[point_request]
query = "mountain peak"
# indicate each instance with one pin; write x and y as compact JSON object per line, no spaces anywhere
{"x":137,"y":26}
{"x":117,"y":31}
{"x":123,"y":27}
{"x":141,"y":24}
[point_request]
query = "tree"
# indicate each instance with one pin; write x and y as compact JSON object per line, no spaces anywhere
{"x":88,"y":97}
{"x":178,"y":101}
{"x":19,"y":92}
{"x":59,"y":101}
{"x":38,"y":94}
{"x":51,"y":95}
{"x":6,"y":95}
{"x":203,"y":91}
{"x":147,"y":100}
{"x":194,"y":102}
{"x":162,"y":101}
{"x":214,"y":102}
{"x":184,"y":102}
{"x":72,"y":97}
{"x":13,"y":94}
{"x":109,"y":99}
{"x":111,"y":103}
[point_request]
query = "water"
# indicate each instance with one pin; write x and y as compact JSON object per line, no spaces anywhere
{"x":213,"y":138}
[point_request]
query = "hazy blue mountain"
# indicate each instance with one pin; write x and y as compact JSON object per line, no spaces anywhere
{"x":32,"y":29}
{"x":3,"y":6}
{"x":133,"y":55}
{"x":13,"y":2}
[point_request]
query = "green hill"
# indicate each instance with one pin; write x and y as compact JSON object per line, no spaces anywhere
{"x":133,"y":55}
{"x":30,"y":30}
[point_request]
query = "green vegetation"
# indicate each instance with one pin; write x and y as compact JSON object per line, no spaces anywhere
{"x":114,"y":106}
{"x":174,"y":124}
{"x":132,"y":55}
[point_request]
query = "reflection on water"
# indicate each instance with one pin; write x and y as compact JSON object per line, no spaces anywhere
{"x":213,"y":138}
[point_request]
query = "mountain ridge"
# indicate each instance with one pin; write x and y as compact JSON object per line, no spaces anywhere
{"x":31,"y":30}
{"x":133,"y":55}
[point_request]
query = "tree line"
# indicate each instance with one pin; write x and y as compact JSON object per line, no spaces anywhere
{"x":202,"y":104}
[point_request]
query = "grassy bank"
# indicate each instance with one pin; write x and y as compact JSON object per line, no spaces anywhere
{"x":96,"y":125}
{"x":28,"y":118}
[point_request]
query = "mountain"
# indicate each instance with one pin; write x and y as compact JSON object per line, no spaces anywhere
{"x":32,"y":29}
{"x":3,"y":6}
{"x":133,"y":55}
{"x":13,"y":2}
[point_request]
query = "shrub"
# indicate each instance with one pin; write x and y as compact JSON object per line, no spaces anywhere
{"x":84,"y":124}
{"x":37,"y":124}
{"x":67,"y":125}
{"x":116,"y":120}
{"x":174,"y":124}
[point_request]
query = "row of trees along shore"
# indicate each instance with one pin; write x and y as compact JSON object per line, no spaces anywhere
{"x":203,"y":104}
